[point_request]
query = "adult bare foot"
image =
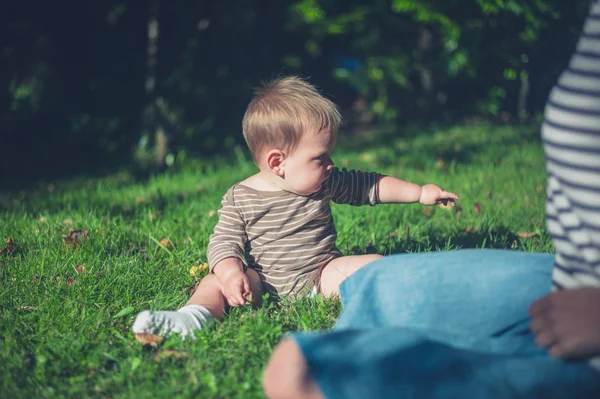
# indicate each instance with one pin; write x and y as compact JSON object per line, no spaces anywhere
{"x":568,"y":323}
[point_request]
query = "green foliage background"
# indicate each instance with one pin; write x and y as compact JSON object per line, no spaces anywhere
{"x":73,"y":73}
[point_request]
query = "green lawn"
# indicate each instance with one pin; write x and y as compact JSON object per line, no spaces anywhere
{"x":65,"y":329}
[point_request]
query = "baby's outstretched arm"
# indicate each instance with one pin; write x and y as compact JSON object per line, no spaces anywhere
{"x":568,"y":323}
{"x":392,"y":190}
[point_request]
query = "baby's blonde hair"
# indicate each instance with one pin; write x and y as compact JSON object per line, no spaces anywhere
{"x":284,"y":109}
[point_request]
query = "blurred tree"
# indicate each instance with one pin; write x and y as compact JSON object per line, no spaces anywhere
{"x":85,"y":84}
{"x":428,"y":58}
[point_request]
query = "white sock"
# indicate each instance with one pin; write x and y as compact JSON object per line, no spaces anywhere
{"x":164,"y":323}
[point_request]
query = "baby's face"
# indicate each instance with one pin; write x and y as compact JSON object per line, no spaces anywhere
{"x":310,"y":164}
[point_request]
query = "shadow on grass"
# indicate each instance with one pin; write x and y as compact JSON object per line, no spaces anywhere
{"x":421,"y":147}
{"x":498,"y":237}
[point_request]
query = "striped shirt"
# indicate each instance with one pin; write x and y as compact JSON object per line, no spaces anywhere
{"x":287,"y":238}
{"x":571,"y":137}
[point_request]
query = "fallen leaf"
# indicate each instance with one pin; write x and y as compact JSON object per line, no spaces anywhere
{"x":477,"y":208}
{"x":27,"y":308}
{"x":249,"y":297}
{"x":152,"y":216}
{"x":469,"y":230}
{"x":80,"y":269}
{"x":528,"y":234}
{"x":211,"y":213}
{"x":75,"y":237}
{"x":162,"y":354}
{"x":134,"y":250}
{"x":140,"y":200}
{"x":165,"y":242}
{"x":426,"y":211}
{"x":9,"y":249}
{"x":70,"y":282}
{"x":149,"y":339}
{"x":197,"y":270}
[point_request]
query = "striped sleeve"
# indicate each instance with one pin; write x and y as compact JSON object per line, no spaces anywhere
{"x":229,"y":237}
{"x":571,"y":137}
{"x":354,"y":187}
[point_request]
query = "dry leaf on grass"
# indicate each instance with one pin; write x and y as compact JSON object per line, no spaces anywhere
{"x":140,"y":200}
{"x":80,"y":269}
{"x":165,"y":242}
{"x":162,"y":354}
{"x":152,"y":216}
{"x":249,"y":297}
{"x":149,"y":339}
{"x":27,"y":308}
{"x":197,"y":270}
{"x":427,"y":212}
{"x":75,"y":237}
{"x":477,"y":208}
{"x":212,"y":213}
{"x":9,"y":249}
{"x":527,"y":234}
{"x":469,"y":230}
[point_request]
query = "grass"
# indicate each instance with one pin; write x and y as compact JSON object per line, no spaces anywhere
{"x":65,"y":331}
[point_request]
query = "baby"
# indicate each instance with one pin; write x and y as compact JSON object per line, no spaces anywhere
{"x":275,"y":231}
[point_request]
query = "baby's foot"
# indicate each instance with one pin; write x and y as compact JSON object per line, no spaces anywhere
{"x":150,"y":328}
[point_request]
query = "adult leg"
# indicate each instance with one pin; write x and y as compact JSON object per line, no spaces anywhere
{"x":400,"y":363}
{"x":466,"y":293}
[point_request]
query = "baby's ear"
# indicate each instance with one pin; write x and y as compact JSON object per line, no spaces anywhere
{"x":276,"y":162}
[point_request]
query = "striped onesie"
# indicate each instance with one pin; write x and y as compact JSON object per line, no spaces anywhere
{"x":571,"y":137}
{"x":287,"y":238}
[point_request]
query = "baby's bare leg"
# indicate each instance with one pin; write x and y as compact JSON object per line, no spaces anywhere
{"x":339,"y":269}
{"x":206,"y":304}
{"x":209,"y":293}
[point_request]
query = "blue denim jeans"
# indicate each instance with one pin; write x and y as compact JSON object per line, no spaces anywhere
{"x":443,"y":325}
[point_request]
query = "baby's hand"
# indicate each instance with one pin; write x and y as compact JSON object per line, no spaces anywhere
{"x":568,"y":323}
{"x":432,"y":195}
{"x":235,"y":287}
